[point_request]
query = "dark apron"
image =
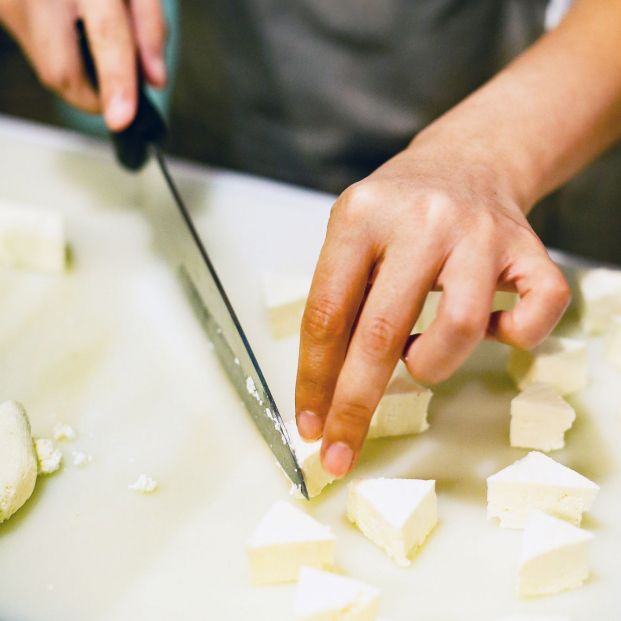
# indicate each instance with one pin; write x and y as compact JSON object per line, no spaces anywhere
{"x":321,"y":92}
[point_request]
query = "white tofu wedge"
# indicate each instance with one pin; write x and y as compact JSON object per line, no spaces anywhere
{"x":284,"y":298}
{"x":285,"y":540}
{"x":308,"y":454}
{"x":599,"y":298}
{"x":560,"y":362}
{"x":537,"y":482}
{"x":540,"y":418}
{"x":555,"y":556}
{"x":32,"y":239}
{"x":613,"y":342}
{"x":323,"y":596}
{"x":403,"y":408}
{"x":18,"y":462}
{"x":395,"y":514}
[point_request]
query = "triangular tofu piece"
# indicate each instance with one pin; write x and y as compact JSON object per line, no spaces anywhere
{"x":395,"y":514}
{"x":285,"y":540}
{"x":555,"y":555}
{"x":538,"y":482}
{"x":539,"y":418}
{"x":284,"y":297}
{"x":323,"y":596}
{"x":308,"y":455}
{"x":403,"y":408}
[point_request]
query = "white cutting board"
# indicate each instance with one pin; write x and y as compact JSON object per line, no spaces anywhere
{"x":113,"y":349}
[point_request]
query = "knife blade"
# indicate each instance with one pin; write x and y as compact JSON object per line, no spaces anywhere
{"x":185,"y":249}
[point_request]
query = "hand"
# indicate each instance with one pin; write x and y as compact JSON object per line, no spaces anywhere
{"x":118,"y":31}
{"x":432,"y":217}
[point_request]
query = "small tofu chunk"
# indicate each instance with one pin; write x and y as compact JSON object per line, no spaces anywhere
{"x":537,"y":482}
{"x":32,"y":239}
{"x":599,"y":298}
{"x":284,"y":298}
{"x":555,"y":556}
{"x":309,"y":459}
{"x":403,"y":408}
{"x":48,"y":456}
{"x":560,"y":362}
{"x":613,"y":342}
{"x":64,"y":432}
{"x":395,"y":514}
{"x":323,"y":596}
{"x":285,"y":540}
{"x":144,"y":484}
{"x":540,"y":418}
{"x":18,"y":462}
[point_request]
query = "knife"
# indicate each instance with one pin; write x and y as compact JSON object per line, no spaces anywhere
{"x":133,"y":146}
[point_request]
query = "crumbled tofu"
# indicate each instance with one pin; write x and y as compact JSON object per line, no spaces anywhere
{"x":31,"y":239}
{"x":323,"y":596}
{"x":285,"y":540}
{"x":540,"y":418}
{"x":18,"y":462}
{"x":395,"y":514}
{"x":555,"y":556}
{"x":144,"y":485}
{"x":537,"y":482}
{"x":403,"y":408}
{"x":308,"y":456}
{"x":284,"y":297}
{"x":64,"y":432}
{"x":48,"y":456}
{"x":560,"y":362}
{"x":599,"y":298}
{"x":80,"y":458}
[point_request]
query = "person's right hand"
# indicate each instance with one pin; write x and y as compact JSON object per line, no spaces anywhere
{"x":119,"y":31}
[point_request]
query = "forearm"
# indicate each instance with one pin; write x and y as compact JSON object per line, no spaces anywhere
{"x":552,"y":110}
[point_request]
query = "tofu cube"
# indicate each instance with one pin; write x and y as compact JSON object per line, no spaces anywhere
{"x":284,"y":298}
{"x":537,"y":482}
{"x":403,"y":408}
{"x":560,"y":362}
{"x":395,"y":514}
{"x":599,"y":298}
{"x":554,"y":557}
{"x":540,"y":418}
{"x":323,"y":596}
{"x":32,"y":239}
{"x":285,"y":540}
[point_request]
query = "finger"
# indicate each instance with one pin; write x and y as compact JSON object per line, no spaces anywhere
{"x":338,"y":287}
{"x":394,"y":302}
{"x":149,"y":26}
{"x":108,"y":28}
{"x":544,"y":297}
{"x":468,"y":281}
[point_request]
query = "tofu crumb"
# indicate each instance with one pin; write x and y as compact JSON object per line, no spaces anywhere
{"x":64,"y":432}
{"x":144,"y":485}
{"x":80,"y":458}
{"x":49,"y":457}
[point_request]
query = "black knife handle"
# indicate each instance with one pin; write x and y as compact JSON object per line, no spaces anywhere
{"x":131,"y":145}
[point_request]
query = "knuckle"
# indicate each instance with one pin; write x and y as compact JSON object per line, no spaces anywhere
{"x":467,"y":323}
{"x":353,"y":415}
{"x":380,"y":338}
{"x":323,"y":320}
{"x":356,"y":199}
{"x":557,"y":290}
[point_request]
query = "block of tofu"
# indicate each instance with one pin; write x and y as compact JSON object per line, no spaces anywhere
{"x":537,"y":482}
{"x":18,"y":462}
{"x":324,"y":596}
{"x":554,"y":557}
{"x":308,"y":455}
{"x":32,"y":239}
{"x":540,"y":418}
{"x":613,"y":342}
{"x":599,"y":298}
{"x":284,"y":298}
{"x":403,"y":408}
{"x":395,"y":514}
{"x":560,"y":362}
{"x":285,"y":540}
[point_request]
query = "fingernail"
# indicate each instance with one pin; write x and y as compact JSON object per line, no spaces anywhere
{"x":410,"y":341}
{"x":118,"y":112}
{"x":338,"y":459}
{"x":310,"y":425}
